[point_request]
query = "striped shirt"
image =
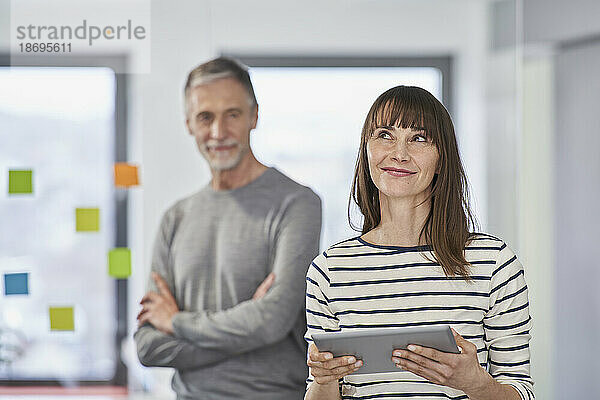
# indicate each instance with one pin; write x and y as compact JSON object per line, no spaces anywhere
{"x":355,"y":285}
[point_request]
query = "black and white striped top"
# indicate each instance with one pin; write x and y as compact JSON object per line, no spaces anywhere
{"x":355,"y":285}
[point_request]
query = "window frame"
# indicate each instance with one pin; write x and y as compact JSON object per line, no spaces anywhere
{"x":120,"y":152}
{"x":442,"y":62}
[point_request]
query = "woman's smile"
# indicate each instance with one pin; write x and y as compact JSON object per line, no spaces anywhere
{"x":398,"y":172}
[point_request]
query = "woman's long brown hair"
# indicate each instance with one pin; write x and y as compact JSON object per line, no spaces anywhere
{"x":447,"y":227}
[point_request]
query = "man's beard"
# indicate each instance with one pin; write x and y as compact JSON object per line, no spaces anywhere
{"x":224,"y":163}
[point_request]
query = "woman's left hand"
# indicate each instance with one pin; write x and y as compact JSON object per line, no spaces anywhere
{"x":459,"y":371}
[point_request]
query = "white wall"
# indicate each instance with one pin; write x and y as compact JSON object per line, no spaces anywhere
{"x":502,"y":133}
{"x":577,"y":180}
{"x":4,"y":24}
{"x":560,"y":181}
{"x":550,"y":21}
{"x":536,"y":217}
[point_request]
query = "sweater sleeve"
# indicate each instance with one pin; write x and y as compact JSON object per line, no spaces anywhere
{"x":255,"y":323}
{"x":507,"y":325}
{"x":155,"y":348}
{"x":319,"y":317}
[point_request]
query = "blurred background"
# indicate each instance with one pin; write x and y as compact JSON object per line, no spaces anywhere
{"x":519,"y":77}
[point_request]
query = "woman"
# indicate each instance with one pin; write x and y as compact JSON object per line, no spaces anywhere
{"x":417,"y":263}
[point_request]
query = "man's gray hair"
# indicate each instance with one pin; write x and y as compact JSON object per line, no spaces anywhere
{"x":219,"y":68}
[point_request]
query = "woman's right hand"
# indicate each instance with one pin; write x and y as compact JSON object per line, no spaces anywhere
{"x":326,"y":369}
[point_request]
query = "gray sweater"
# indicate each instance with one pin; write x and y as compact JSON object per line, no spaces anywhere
{"x":214,"y":248}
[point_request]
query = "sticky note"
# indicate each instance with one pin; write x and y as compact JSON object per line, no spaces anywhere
{"x":119,"y":262}
{"x":126,"y":175}
{"x":16,"y":284}
{"x":87,"y":219}
{"x":20,"y":181}
{"x":61,"y":319}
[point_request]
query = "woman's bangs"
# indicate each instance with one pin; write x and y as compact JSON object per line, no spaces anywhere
{"x":405,"y":114}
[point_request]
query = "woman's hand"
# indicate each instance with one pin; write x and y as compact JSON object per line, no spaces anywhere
{"x":326,"y":369}
{"x":459,"y":371}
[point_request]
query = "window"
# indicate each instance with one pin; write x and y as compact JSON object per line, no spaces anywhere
{"x":60,"y":123}
{"x":310,"y":119}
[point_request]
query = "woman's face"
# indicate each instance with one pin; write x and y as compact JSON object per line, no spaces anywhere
{"x":402,"y":162}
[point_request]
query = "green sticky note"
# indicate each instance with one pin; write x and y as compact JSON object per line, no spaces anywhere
{"x":20,"y":181}
{"x":87,"y":219}
{"x":61,"y":319}
{"x":119,"y":262}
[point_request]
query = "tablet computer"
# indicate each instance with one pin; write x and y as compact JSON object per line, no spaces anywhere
{"x":375,"y":346}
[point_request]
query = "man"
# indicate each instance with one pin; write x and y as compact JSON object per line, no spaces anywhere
{"x":230,"y":261}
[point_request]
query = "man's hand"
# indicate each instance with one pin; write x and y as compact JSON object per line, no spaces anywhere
{"x":264,"y":287}
{"x":159,"y":308}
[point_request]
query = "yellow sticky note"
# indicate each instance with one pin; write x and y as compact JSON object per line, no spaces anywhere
{"x":126,"y":175}
{"x":20,"y":181}
{"x":61,"y":319}
{"x":87,"y":219}
{"x":119,"y":262}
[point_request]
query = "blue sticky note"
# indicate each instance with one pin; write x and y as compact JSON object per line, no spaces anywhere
{"x":16,"y":284}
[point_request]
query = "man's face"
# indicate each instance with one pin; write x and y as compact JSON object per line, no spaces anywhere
{"x":220,"y":117}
